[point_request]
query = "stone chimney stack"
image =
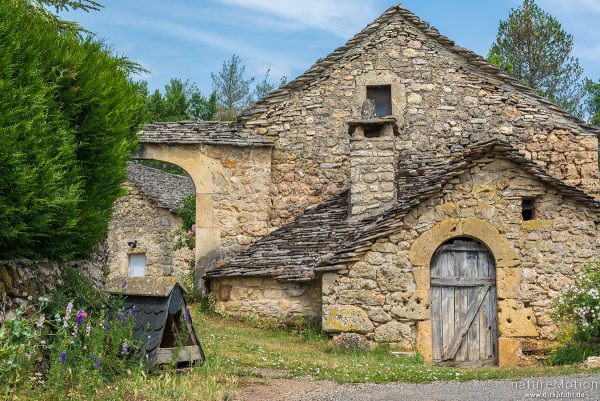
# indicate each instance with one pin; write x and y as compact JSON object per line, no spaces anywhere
{"x":372,"y":167}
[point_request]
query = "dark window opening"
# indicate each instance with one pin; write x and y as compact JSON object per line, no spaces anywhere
{"x":528,"y":209}
{"x":381,"y":95}
{"x":372,"y":131}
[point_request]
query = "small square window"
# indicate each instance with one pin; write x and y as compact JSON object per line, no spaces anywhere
{"x":136,"y":265}
{"x":528,"y":209}
{"x":381,"y":95}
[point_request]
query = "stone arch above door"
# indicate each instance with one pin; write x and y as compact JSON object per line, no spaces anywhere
{"x":422,"y":249}
{"x":505,"y":258}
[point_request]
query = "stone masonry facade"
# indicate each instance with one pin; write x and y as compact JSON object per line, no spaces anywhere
{"x":267,"y":298}
{"x":443,"y":103}
{"x":136,"y":217}
{"x":385,"y":296}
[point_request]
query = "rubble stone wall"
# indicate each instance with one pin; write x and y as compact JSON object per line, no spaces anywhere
{"x":442,"y":103}
{"x":136,"y":217}
{"x":267,"y":298}
{"x":385,"y":296}
{"x":24,"y":281}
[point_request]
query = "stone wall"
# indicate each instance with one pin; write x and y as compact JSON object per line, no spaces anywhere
{"x":21,"y":279}
{"x":442,"y":103}
{"x":267,"y":298}
{"x":136,"y":217}
{"x":385,"y":296}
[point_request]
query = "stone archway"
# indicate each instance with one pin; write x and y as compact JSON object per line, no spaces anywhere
{"x":213,"y":167}
{"x":507,"y":272}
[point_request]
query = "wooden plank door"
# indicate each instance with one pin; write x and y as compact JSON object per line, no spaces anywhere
{"x":463,"y":308}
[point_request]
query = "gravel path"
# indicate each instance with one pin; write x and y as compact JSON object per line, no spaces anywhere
{"x":580,"y":387}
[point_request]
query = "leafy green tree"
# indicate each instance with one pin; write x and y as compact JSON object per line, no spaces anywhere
{"x":201,"y":108}
{"x":538,"y":51}
{"x":264,"y":87}
{"x":68,"y":121}
{"x":593,"y":101}
{"x":181,"y":101}
{"x":44,"y":9}
{"x":232,"y":88}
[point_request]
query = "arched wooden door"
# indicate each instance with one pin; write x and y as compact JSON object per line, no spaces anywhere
{"x":464,"y":317}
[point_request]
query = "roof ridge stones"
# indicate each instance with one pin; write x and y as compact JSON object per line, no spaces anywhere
{"x":204,"y":132}
{"x":344,"y":53}
{"x":324,"y":239}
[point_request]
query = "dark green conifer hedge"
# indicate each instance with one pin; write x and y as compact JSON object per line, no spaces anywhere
{"x":69,"y":113}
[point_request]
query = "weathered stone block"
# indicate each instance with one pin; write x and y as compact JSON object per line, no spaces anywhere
{"x":514,"y":320}
{"x":398,"y":332}
{"x":391,"y":278}
{"x":344,"y":318}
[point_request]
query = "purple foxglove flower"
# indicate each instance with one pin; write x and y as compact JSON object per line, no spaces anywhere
{"x":106,"y":326}
{"x":124,"y":350}
{"x":186,"y":315}
{"x":79,"y":316}
{"x":69,"y":308}
{"x":74,"y":332}
{"x":63,"y":357}
{"x":97,"y":363}
{"x":133,"y":310}
{"x":88,"y":328}
{"x":123,"y":284}
{"x":92,"y":357}
{"x":120,"y":316}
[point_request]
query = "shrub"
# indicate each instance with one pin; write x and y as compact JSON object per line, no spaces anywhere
{"x":68,"y":121}
{"x":577,"y":309}
{"x":78,"y":290}
{"x":71,"y":356}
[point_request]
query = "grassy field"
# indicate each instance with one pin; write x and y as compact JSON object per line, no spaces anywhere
{"x":233,"y":348}
{"x":309,"y":354}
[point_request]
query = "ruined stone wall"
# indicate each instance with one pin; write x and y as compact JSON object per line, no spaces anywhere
{"x":385,"y":296}
{"x":267,"y":298}
{"x":442,"y":105}
{"x":136,"y":217}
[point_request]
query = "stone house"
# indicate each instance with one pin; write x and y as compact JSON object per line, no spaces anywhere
{"x":142,"y":230}
{"x":402,"y":190}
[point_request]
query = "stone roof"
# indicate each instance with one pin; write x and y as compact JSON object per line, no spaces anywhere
{"x":323,"y":238}
{"x":352,"y":49}
{"x":290,"y":252}
{"x":207,"y":133}
{"x":166,"y":190}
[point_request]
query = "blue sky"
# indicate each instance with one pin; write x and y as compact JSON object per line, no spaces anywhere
{"x":189,"y":39}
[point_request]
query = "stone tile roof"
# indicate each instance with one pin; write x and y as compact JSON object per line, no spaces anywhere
{"x":291,"y":252}
{"x":146,"y":286}
{"x":207,"y":133}
{"x":352,"y":50}
{"x":421,"y":179}
{"x":324,"y":239}
{"x":166,"y":190}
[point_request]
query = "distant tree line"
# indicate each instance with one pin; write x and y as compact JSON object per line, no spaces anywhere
{"x":532,"y":46}
{"x":232,"y":92}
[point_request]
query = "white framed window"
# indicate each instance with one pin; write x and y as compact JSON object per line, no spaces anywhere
{"x":136,"y":265}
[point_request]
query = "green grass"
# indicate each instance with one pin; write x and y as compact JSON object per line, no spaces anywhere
{"x":308,"y":354}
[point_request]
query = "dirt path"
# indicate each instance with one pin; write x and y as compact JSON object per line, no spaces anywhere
{"x":271,"y":388}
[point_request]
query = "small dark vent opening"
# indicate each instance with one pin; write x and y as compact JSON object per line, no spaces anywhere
{"x":373,"y":131}
{"x":528,"y":209}
{"x":381,"y":95}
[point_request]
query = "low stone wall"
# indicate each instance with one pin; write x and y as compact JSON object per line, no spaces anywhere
{"x":21,"y":279}
{"x":267,"y":298}
{"x":384,"y":297}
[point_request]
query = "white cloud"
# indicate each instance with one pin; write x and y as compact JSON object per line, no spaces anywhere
{"x":342,"y":18}
{"x":256,"y":58}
